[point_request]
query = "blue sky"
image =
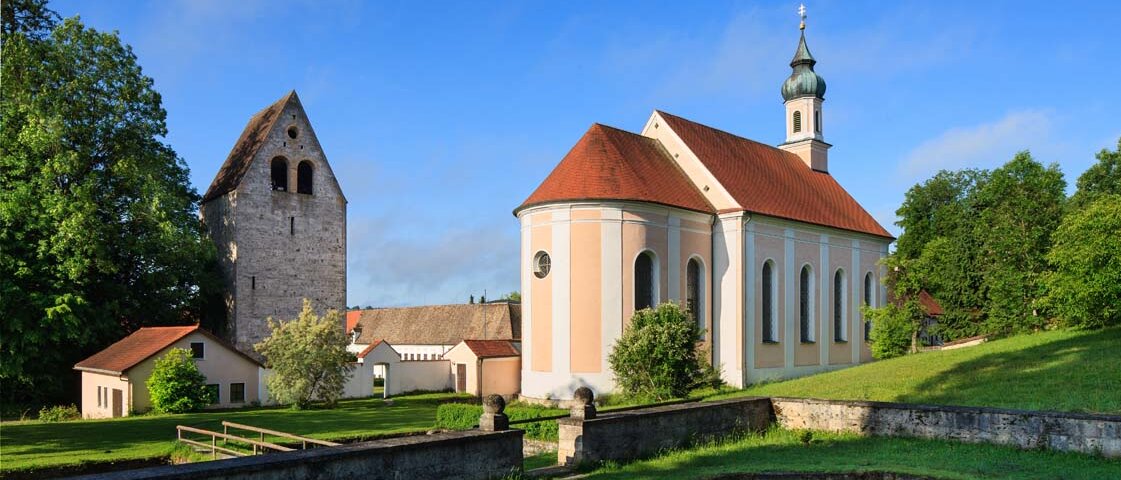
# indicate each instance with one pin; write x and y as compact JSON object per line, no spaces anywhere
{"x":440,"y":118}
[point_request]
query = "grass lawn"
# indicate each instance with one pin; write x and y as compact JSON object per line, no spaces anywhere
{"x":1064,"y":370}
{"x":780,"y":450}
{"x":541,"y":460}
{"x":32,"y":445}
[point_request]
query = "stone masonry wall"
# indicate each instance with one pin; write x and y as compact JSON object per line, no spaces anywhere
{"x":283,"y":246}
{"x":470,"y":454}
{"x":645,"y":432}
{"x":1025,"y":429}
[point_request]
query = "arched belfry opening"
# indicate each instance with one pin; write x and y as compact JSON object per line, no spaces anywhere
{"x":304,"y":175}
{"x":279,"y":174}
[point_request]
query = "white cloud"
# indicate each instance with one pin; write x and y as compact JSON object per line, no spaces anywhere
{"x":979,"y":146}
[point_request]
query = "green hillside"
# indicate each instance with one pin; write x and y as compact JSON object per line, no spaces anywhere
{"x":1064,"y":370}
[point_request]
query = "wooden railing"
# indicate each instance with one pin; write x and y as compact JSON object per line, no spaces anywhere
{"x":258,"y":446}
{"x":226,"y":426}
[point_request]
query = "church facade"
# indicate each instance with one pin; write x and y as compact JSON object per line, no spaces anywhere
{"x":278,"y":219}
{"x":770,"y":255}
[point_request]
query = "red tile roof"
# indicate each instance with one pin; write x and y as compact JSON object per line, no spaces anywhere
{"x":612,"y":164}
{"x":142,"y":344}
{"x":369,"y":349}
{"x":492,"y":348}
{"x":769,"y":181}
{"x":929,"y":304}
{"x":241,"y":156}
{"x":352,"y":317}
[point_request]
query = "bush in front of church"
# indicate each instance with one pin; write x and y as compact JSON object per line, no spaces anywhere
{"x":177,"y":385}
{"x":657,"y":355}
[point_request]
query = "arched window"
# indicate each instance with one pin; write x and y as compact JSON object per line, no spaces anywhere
{"x":839,"y":306}
{"x":770,"y":324}
{"x":279,"y":175}
{"x":868,"y":286}
{"x":817,"y":121}
{"x":644,"y":281}
{"x":303,"y":178}
{"x":797,"y":121}
{"x":694,"y":300}
{"x":806,"y":304}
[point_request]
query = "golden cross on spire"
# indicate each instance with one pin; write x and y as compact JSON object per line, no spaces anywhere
{"x":802,"y":13}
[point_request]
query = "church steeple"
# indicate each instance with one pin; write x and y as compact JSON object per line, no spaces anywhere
{"x":803,"y":93}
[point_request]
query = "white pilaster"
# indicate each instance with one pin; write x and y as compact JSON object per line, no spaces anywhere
{"x":824,"y":293}
{"x":673,"y":260}
{"x":791,"y":300}
{"x":611,"y":284}
{"x":749,"y":318}
{"x":562,"y":290}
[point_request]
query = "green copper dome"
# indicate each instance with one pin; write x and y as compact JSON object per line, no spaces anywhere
{"x":803,"y":82}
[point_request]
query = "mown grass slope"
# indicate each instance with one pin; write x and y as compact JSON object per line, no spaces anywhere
{"x":33,"y":445}
{"x":1063,"y":370}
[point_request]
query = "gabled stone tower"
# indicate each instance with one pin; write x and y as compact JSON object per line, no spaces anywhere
{"x":278,"y":217}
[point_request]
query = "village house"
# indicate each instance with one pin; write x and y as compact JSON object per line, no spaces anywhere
{"x":767,"y":252}
{"x":114,"y":380}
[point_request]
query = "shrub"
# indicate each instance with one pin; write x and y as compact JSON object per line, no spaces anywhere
{"x":892,"y":330}
{"x":59,"y":413}
{"x":308,"y":357}
{"x":176,"y":384}
{"x":657,"y":354}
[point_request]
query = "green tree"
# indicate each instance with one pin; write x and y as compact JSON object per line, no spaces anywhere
{"x":657,"y":354}
{"x":176,"y":384}
{"x":1102,"y":178}
{"x":1084,"y":289}
{"x":308,"y":357}
{"x":99,"y":231}
{"x":1021,"y":205}
{"x":896,"y":326}
{"x":939,"y":246}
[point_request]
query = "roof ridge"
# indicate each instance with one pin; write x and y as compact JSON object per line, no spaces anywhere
{"x":678,"y":117}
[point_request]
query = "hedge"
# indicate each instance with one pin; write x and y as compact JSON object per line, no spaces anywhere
{"x":459,"y":416}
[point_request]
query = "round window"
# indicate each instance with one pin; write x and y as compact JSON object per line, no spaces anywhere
{"x":541,"y":264}
{"x":293,"y":132}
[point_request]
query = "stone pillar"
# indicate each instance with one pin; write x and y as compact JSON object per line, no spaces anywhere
{"x":583,"y":404}
{"x":570,"y":431}
{"x":492,"y":418}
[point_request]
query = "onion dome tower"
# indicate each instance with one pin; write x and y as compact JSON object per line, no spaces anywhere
{"x":803,"y":93}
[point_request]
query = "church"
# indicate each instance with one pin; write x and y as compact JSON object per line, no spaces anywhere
{"x":770,"y":255}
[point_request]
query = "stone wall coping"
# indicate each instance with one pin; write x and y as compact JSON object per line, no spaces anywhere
{"x":612,"y":417}
{"x":270,"y":461}
{"x":953,"y":408}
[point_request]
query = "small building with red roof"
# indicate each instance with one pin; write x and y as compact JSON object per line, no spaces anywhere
{"x":483,"y":367}
{"x":765,"y":249}
{"x":114,"y":379}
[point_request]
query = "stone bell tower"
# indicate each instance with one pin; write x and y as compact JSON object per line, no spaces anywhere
{"x":803,"y":93}
{"x":278,"y":218}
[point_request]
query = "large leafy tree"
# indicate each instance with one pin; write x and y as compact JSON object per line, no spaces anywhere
{"x":308,"y":357}
{"x":99,"y":231}
{"x":1102,"y":178}
{"x":1020,"y":206}
{"x":938,"y":246}
{"x":1084,"y":289}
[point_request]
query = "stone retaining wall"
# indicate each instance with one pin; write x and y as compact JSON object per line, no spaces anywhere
{"x":473,"y":454}
{"x":1072,"y":432}
{"x":641,"y":433}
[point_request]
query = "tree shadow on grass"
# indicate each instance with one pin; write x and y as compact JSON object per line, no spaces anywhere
{"x":1077,"y":374}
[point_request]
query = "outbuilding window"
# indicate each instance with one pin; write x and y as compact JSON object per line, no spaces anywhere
{"x":198,"y":350}
{"x":237,"y":393}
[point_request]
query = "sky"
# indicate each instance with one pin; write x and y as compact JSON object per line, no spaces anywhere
{"x":440,"y":118}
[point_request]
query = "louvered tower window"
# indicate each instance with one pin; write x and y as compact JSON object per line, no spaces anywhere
{"x":797,"y":122}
